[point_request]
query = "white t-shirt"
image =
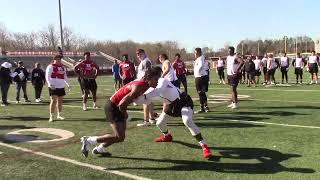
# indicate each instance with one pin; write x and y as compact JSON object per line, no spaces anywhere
{"x":257,"y":64}
{"x":299,"y":63}
{"x":220,"y":63}
{"x":264,"y":62}
{"x":142,"y":68}
{"x":232,"y":67}
{"x":313,"y":59}
{"x":284,"y":61}
{"x":271,"y":63}
{"x":165,"y":90}
{"x":171,"y":75}
{"x":199,"y":67}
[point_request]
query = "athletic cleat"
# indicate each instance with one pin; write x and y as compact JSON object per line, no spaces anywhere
{"x":164,"y":138}
{"x":27,"y":101}
{"x":84,"y":108}
{"x":152,"y":121}
{"x":200,"y":111}
{"x":145,"y":123}
{"x":51,"y":119}
{"x":103,"y":152}
{"x":85,"y":146}
{"x":231,"y":105}
{"x":235,"y":106}
{"x":206,"y":151}
{"x":95,"y":107}
{"x":60,"y":118}
{"x":206,"y":109}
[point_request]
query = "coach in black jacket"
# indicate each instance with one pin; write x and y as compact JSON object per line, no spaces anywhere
{"x":5,"y":81}
{"x":21,"y":80}
{"x":38,"y":80}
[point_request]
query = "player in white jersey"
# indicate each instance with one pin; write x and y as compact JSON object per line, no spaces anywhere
{"x":298,"y":65}
{"x":167,"y":70}
{"x":176,"y":104}
{"x":258,"y":66}
{"x":220,"y":70}
{"x":234,"y":65}
{"x":264,"y":68}
{"x":313,"y":63}
{"x":284,"y":67}
{"x":201,"y":79}
{"x":271,"y":69}
{"x":145,"y":64}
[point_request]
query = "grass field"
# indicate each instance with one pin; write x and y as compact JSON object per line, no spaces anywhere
{"x":273,"y":135}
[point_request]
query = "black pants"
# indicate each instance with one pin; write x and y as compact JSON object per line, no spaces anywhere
{"x":38,"y":89}
{"x":299,"y":73}
{"x":22,"y":85}
{"x":221,"y":73}
{"x":284,"y":73}
{"x":4,"y":92}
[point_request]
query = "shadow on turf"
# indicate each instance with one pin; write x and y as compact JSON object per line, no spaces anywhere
{"x":242,"y":118}
{"x":292,"y":107}
{"x":8,"y":127}
{"x":24,"y":118}
{"x":266,"y":161}
{"x":220,"y":125}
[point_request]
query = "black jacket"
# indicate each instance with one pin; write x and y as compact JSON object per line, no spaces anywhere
{"x":25,"y":72}
{"x":37,"y":76}
{"x":5,"y":75}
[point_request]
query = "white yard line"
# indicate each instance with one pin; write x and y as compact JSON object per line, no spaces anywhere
{"x":99,"y":168}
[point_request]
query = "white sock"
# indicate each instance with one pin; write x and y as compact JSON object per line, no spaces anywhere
{"x":94,"y":103}
{"x":100,"y":148}
{"x":92,"y":140}
{"x":59,"y":114}
{"x":51,"y":114}
{"x":202,"y":142}
{"x":84,"y":104}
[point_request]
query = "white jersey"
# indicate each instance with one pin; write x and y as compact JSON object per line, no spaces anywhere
{"x":264,"y":62}
{"x":271,"y":63}
{"x":299,"y":63}
{"x":284,"y":62}
{"x":55,"y":82}
{"x":171,"y":75}
{"x":165,"y":90}
{"x":142,"y":68}
{"x":199,"y":67}
{"x":313,"y":59}
{"x":232,"y":66}
{"x":220,"y":63}
{"x":257,"y":64}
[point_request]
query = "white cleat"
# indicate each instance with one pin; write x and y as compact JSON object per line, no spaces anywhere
{"x":101,"y":152}
{"x":51,"y":119}
{"x":85,"y":146}
{"x":152,"y":121}
{"x":60,"y":118}
{"x":144,"y":124}
{"x":235,"y":106}
{"x":231,"y":105}
{"x":84,"y":108}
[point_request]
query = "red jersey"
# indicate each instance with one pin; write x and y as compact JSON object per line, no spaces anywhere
{"x":127,"y":70}
{"x":180,"y":67}
{"x":88,"y":68}
{"x":58,"y":71}
{"x":122,"y":92}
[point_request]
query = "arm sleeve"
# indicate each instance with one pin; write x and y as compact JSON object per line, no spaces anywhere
{"x":157,"y":91}
{"x":48,"y":75}
{"x":32,"y":78}
{"x":66,"y":80}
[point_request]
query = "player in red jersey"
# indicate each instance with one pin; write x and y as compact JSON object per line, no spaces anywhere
{"x":127,"y":70}
{"x":181,"y":72}
{"x":116,"y":112}
{"x":88,"y":71}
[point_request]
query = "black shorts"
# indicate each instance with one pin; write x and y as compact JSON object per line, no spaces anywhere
{"x":127,"y":80}
{"x":271,"y":71}
{"x":313,"y":68}
{"x":202,"y":83}
{"x":176,"y":83}
{"x":113,"y":114}
{"x":182,"y":78}
{"x":89,"y":84}
{"x":175,"y":107}
{"x":257,"y":72}
{"x":298,"y":71}
{"x":57,"y":92}
{"x":233,"y":80}
{"x":265,"y":70}
{"x":284,"y":69}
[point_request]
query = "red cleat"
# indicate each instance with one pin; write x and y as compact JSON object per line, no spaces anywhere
{"x":206,"y":151}
{"x":164,"y":138}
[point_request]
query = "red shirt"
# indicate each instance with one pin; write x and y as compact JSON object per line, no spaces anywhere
{"x":127,"y":70}
{"x":87,"y":68}
{"x":58,"y":71}
{"x":180,"y":67}
{"x":122,"y":92}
